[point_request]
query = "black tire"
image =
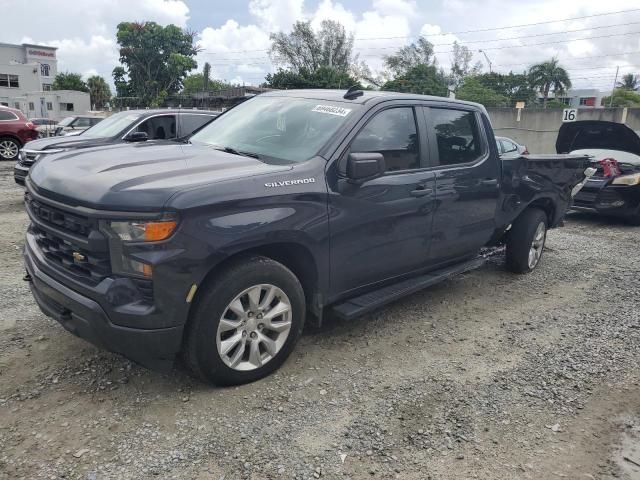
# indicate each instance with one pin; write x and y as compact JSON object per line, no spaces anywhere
{"x":15,"y":147}
{"x":520,"y":240}
{"x":200,"y":349}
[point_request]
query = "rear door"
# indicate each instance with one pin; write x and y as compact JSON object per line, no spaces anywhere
{"x":381,"y":228}
{"x":467,"y":172}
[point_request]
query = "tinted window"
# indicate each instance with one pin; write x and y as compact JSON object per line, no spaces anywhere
{"x":159,"y":128}
{"x":392,"y":133}
{"x":191,"y":123}
{"x":7,"y":116}
{"x":457,"y":134}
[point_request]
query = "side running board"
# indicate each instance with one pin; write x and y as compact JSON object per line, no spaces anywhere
{"x":357,"y":306}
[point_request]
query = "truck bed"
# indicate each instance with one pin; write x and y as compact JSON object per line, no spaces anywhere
{"x":527,"y":179}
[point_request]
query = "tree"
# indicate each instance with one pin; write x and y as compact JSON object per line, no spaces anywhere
{"x":323,"y":77}
{"x":473,"y":90}
{"x":547,"y":76}
{"x":120,"y":81}
{"x":622,"y":97}
{"x":422,"y":79}
{"x":206,"y":75}
{"x":514,"y":86}
{"x":155,"y":59}
{"x":461,"y":64}
{"x":69,"y":81}
{"x":99,"y":91}
{"x":410,"y":56}
{"x":304,"y":49}
{"x":197,"y":83}
{"x":629,"y":82}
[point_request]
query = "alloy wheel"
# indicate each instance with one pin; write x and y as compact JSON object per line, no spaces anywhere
{"x":537,"y":245}
{"x":254,"y":327}
{"x":8,"y":149}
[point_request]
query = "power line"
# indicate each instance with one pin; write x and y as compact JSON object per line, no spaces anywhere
{"x":523,"y":25}
{"x":504,"y":47}
{"x":465,"y":31}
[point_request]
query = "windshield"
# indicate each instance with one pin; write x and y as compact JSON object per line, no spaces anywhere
{"x":67,"y":121}
{"x":112,"y":125}
{"x":277,"y":128}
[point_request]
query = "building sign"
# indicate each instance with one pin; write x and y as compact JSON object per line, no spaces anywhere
{"x":41,"y":53}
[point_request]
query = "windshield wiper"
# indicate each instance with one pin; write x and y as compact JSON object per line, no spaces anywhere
{"x":233,"y":151}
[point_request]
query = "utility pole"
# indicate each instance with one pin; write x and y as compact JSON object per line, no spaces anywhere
{"x":485,"y":56}
{"x":614,"y":87}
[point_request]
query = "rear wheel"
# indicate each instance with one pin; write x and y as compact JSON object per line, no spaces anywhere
{"x":246,"y":324}
{"x":526,"y":241}
{"x":9,"y":148}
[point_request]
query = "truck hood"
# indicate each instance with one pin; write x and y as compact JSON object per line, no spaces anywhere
{"x":138,"y":177}
{"x":76,"y":141}
{"x":597,"y":134}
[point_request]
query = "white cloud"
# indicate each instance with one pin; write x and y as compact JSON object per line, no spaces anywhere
{"x":276,"y":15}
{"x":84,"y":31}
{"x":404,"y":8}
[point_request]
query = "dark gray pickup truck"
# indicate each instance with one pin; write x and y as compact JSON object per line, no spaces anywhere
{"x":290,"y":205}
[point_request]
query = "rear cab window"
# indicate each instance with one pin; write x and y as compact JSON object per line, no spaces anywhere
{"x":459,"y":139}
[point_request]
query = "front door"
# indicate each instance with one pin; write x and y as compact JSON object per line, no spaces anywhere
{"x":381,"y":228}
{"x":467,"y":170}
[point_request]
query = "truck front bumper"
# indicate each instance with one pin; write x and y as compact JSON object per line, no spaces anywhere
{"x":85,"y":318}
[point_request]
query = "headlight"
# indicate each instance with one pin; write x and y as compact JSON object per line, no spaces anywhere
{"x":633,"y":179}
{"x":143,"y":231}
{"x":122,"y":232}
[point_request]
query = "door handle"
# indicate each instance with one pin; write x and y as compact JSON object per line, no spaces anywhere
{"x":421,"y":192}
{"x":489,"y":182}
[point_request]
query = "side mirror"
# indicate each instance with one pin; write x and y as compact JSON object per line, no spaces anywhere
{"x":137,"y":137}
{"x":363,"y":166}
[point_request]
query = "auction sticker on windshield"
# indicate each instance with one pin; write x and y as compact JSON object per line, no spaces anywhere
{"x":331,"y":110}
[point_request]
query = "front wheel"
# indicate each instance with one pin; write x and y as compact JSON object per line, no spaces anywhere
{"x":9,"y":148}
{"x":246,"y":323}
{"x":526,"y":240}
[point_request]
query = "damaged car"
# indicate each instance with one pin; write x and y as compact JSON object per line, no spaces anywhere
{"x":614,"y":150}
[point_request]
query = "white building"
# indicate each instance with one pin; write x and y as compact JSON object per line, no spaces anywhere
{"x":579,"y":97}
{"x":26,"y":79}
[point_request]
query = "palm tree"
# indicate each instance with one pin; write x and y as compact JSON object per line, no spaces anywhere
{"x":548,"y":76}
{"x":629,"y":82}
{"x":99,"y":91}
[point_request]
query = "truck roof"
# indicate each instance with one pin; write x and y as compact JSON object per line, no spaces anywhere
{"x":368,"y":96}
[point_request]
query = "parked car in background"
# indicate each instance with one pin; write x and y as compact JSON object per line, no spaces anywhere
{"x":15,"y":131}
{"x":290,"y":204}
{"x":508,"y":146}
{"x":129,"y":126}
{"x":46,"y":126}
{"x":76,"y":124}
{"x":615,"y":151}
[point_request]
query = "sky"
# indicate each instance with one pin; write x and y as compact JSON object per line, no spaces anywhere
{"x":234,"y":34}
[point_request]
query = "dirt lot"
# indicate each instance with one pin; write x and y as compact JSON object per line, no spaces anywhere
{"x":489,"y":375}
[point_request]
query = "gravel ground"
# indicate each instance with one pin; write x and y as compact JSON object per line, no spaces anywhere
{"x":489,"y":375}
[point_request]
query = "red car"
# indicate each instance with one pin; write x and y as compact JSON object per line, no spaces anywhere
{"x":15,"y":131}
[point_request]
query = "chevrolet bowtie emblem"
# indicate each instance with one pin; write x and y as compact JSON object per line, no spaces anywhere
{"x":78,"y":257}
